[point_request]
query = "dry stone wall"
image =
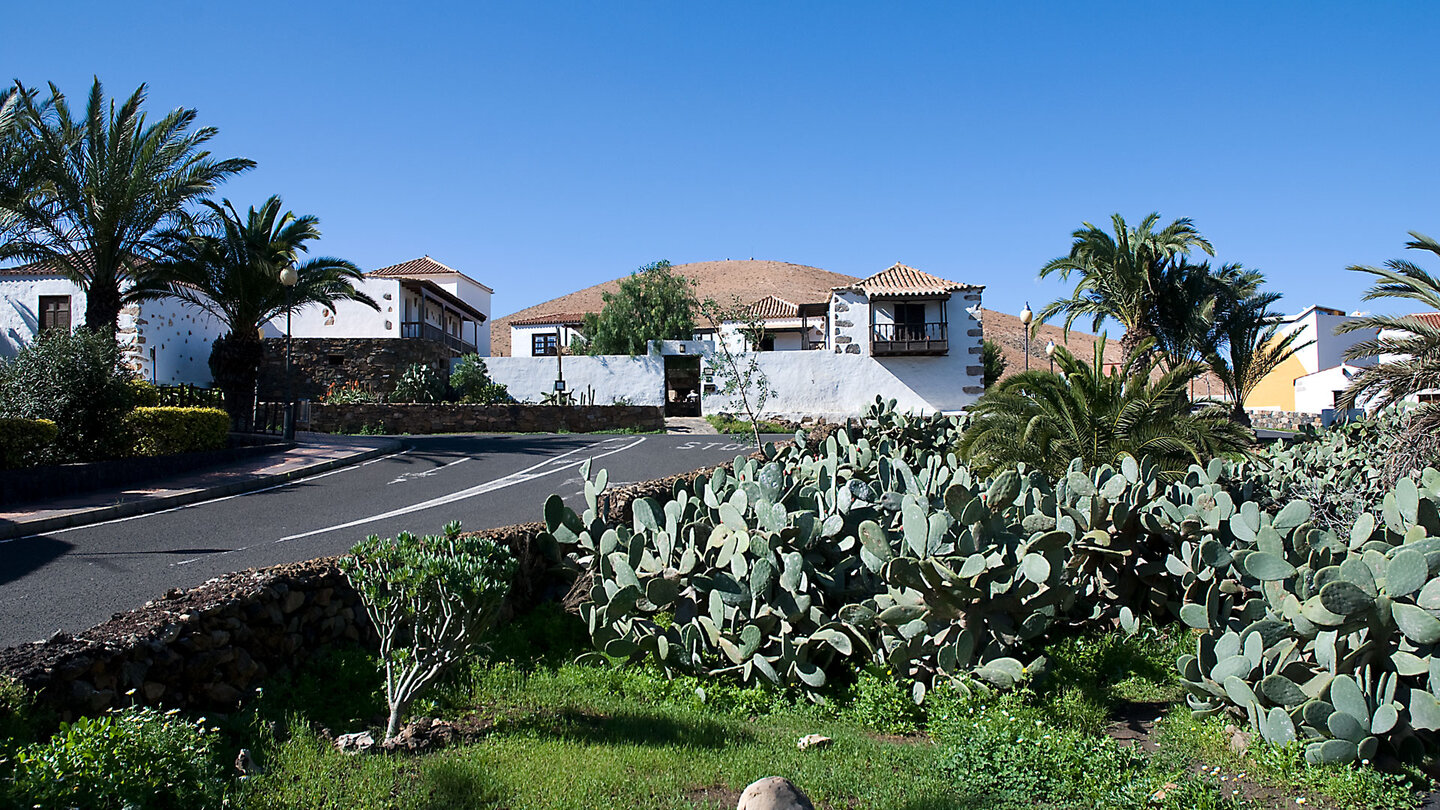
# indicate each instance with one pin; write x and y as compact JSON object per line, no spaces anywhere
{"x":1283,"y":420}
{"x":460,"y":418}
{"x":317,"y":363}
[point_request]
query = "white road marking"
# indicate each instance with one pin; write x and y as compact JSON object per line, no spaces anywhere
{"x":411,"y":476}
{"x":528,"y":474}
{"x":290,"y":483}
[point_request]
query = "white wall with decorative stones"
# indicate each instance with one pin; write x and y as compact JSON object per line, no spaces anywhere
{"x":636,"y":380}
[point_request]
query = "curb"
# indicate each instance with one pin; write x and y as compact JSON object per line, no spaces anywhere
{"x":145,"y":505}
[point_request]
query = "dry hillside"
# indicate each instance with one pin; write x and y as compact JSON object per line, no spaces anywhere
{"x":751,"y":280}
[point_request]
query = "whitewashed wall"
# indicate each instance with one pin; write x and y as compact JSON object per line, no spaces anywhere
{"x":476,"y":295}
{"x":19,"y":308}
{"x":181,"y":336}
{"x":521,"y":336}
{"x":638,"y":380}
{"x":349,"y":318}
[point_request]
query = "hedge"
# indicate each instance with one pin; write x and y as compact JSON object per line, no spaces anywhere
{"x":23,"y":440}
{"x":164,"y":431}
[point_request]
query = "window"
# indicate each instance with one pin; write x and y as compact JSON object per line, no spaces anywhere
{"x":54,"y":312}
{"x":767,"y":343}
{"x":544,"y":345}
{"x":909,"y":321}
{"x":335,"y":359}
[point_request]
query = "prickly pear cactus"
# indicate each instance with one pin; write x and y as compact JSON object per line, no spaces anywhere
{"x":1322,"y":638}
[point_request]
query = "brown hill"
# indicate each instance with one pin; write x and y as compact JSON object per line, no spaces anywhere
{"x":751,"y":280}
{"x":1006,"y":330}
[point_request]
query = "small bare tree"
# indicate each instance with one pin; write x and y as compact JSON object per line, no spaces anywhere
{"x":738,"y":374}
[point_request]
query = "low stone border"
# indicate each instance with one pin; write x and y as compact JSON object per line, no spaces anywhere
{"x":1283,"y":420}
{"x":209,"y":647}
{"x":450,"y":417}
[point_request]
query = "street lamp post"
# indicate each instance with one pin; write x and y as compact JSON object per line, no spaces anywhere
{"x":289,"y":278}
{"x":1050,"y":353}
{"x":1026,"y":316}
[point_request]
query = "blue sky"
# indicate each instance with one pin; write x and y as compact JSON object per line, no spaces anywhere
{"x":542,"y":147}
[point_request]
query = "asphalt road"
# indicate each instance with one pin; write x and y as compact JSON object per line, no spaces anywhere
{"x":76,"y":578}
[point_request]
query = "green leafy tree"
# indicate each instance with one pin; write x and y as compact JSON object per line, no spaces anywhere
{"x":1247,"y":330}
{"x":419,"y":382}
{"x":1045,"y":419}
{"x":74,"y":379}
{"x":1413,"y":341}
{"x":229,"y":265}
{"x":108,"y":185}
{"x":431,"y":600}
{"x":1121,"y":275}
{"x":992,"y":359}
{"x":651,"y":304}
{"x":471,"y":383}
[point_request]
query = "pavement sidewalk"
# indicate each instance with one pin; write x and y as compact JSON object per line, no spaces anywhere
{"x":313,"y":453}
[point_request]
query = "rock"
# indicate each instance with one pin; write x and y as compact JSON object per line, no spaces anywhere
{"x":153,"y":690}
{"x":245,"y":763}
{"x":222,"y":693}
{"x":774,"y":793}
{"x":1240,"y":742}
{"x":356,"y":743}
{"x":293,"y":601}
{"x":813,"y":741}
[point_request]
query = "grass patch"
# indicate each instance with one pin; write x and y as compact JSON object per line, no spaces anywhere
{"x":725,"y":423}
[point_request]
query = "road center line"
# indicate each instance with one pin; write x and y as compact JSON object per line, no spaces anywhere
{"x":528,"y":474}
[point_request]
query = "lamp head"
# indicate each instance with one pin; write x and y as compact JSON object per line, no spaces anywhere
{"x":289,"y":277}
{"x":1050,"y":348}
{"x":1026,"y":315}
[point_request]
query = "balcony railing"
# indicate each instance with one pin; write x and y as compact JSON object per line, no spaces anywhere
{"x":909,"y":338}
{"x":429,"y":331}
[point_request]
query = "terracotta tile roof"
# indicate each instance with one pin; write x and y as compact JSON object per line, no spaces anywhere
{"x":900,"y":279}
{"x":563,"y":318}
{"x":45,"y":267}
{"x":722,"y":280}
{"x":423,"y":266}
{"x":773,"y":306}
{"x":1429,"y":318}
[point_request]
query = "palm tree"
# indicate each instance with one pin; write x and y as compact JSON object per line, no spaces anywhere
{"x":1414,"y":340}
{"x":16,"y":169}
{"x":108,"y":186}
{"x":229,"y":265}
{"x":1246,"y":328}
{"x":1045,"y":420}
{"x":1187,"y":322}
{"x":1121,"y":276}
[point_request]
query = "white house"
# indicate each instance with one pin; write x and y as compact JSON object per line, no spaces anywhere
{"x":420,"y":298}
{"x":164,"y":341}
{"x":900,"y":334}
{"x":1280,"y":390}
{"x":543,"y":335}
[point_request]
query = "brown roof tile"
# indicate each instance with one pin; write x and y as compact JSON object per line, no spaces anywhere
{"x":566,"y":318}
{"x":423,"y":266}
{"x":750,"y":280}
{"x":773,"y":306}
{"x":900,"y":279}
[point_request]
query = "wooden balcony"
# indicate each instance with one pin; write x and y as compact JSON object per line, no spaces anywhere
{"x":890,"y":339}
{"x":429,"y":331}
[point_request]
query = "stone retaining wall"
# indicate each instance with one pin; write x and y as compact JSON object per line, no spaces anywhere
{"x":459,"y":418}
{"x":1283,"y":420}
{"x":318,"y":363}
{"x":209,"y":647}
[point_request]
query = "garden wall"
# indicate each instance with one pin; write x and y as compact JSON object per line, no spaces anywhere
{"x":1283,"y":420}
{"x":460,"y":418}
{"x":209,"y":647}
{"x":636,"y":380}
{"x":318,"y":363}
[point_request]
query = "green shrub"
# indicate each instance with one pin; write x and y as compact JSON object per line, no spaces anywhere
{"x":430,"y":599}
{"x":74,"y":379}
{"x":351,"y":393}
{"x":136,"y":757}
{"x":882,"y":705}
{"x":23,"y":442}
{"x":470,"y":381}
{"x":166,"y":431}
{"x":419,"y":383}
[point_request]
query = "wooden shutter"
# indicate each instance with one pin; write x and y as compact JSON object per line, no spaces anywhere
{"x":54,"y":312}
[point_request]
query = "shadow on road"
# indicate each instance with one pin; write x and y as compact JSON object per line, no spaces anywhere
{"x":20,"y":557}
{"x":155,"y":551}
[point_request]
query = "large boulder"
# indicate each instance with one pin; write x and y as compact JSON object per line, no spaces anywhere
{"x":774,"y":793}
